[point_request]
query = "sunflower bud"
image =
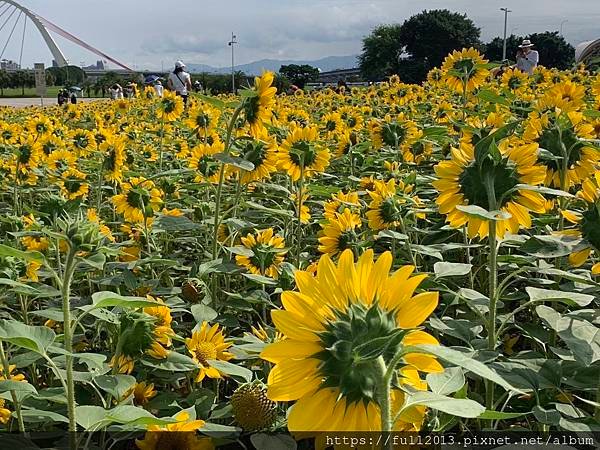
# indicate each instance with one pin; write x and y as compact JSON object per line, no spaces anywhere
{"x":251,"y":407}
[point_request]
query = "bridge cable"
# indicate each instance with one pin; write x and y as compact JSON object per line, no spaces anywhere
{"x":23,"y":40}
{"x":8,"y":18}
{"x":11,"y":33}
{"x":8,"y":6}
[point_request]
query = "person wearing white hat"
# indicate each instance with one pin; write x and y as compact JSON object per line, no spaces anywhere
{"x":527,"y":58}
{"x":180,"y":81}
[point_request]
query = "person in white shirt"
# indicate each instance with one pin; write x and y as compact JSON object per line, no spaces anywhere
{"x":158,"y":88}
{"x":180,"y":81}
{"x":527,"y":58}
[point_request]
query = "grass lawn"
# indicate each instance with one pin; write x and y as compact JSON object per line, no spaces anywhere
{"x":52,"y":91}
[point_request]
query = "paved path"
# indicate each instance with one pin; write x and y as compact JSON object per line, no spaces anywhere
{"x":22,"y":102}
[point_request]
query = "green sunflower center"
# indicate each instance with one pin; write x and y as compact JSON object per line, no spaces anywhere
{"x":389,"y":210}
{"x":81,"y":141}
{"x":330,"y":125}
{"x":207,"y":166}
{"x":202,"y":120}
{"x":393,"y":134}
{"x":514,"y":82}
{"x":264,"y":256}
{"x":255,"y":152}
{"x":464,"y":65}
{"x":303,"y":154}
{"x":590,"y":227}
{"x":252,"y":109}
{"x":168,"y":105}
{"x":346,"y":359}
{"x":346,"y":240}
{"x":138,"y":197}
{"x":24,"y":154}
{"x":550,"y":140}
{"x":72,"y":185}
{"x":472,"y":182}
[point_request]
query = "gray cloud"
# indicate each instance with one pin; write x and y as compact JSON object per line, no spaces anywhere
{"x":146,"y":32}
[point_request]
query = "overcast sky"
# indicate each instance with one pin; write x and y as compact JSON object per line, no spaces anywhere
{"x":148,"y":33}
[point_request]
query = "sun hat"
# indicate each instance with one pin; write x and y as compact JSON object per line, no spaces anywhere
{"x":179,"y":65}
{"x":526,"y":43}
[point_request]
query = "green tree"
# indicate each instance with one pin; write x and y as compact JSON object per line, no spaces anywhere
{"x":431,"y":35}
{"x":381,"y":51}
{"x":553,"y":49}
{"x":299,"y":74}
{"x":493,"y":49}
{"x":4,"y":81}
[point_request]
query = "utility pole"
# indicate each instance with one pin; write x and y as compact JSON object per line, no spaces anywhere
{"x":506,"y":11}
{"x":231,"y":44}
{"x":561,"y":26}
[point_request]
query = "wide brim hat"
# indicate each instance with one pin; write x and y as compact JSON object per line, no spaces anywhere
{"x":526,"y":43}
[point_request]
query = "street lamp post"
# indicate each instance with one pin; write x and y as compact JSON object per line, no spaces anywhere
{"x":506,"y":11}
{"x":561,"y":26}
{"x":231,"y":44}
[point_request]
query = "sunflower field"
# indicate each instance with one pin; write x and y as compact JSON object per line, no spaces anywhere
{"x":255,"y":269}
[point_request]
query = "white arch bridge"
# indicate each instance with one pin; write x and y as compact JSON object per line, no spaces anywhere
{"x":11,"y":13}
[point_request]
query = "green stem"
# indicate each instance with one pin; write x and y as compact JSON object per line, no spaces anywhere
{"x":299,"y":229}
{"x":16,"y":189}
{"x":13,"y":394}
{"x":99,"y":189}
{"x":384,"y":394}
{"x":493,"y":281}
{"x":232,"y":121}
{"x":162,"y":137}
{"x":70,"y":264}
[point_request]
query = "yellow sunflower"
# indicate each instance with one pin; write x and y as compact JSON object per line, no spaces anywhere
{"x":464,"y":68}
{"x":461,"y":182}
{"x":565,"y":96}
{"x":390,"y":202}
{"x":262,"y":153}
{"x":204,"y":164}
{"x":317,"y":364}
{"x":300,"y":153}
{"x":266,"y":253}
{"x":72,"y":184}
{"x":143,"y":392}
{"x":398,"y":133}
{"x":179,"y":435}
{"x":339,"y":233}
{"x":113,"y":149}
{"x":208,"y":343}
{"x":139,"y":199}
{"x":203,"y":119}
{"x":258,"y":108}
{"x":170,"y":107}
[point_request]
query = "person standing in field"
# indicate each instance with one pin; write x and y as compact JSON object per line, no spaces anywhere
{"x":158,"y":88}
{"x":527,"y":58}
{"x":180,"y":81}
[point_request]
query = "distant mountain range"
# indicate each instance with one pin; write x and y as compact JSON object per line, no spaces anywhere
{"x":255,"y":68}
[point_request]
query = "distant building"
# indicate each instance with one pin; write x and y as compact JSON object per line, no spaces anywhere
{"x":9,"y":66}
{"x":588,"y":52}
{"x":100,"y":65}
{"x":333,"y":76}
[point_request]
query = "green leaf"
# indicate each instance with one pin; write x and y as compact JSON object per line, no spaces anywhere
{"x":547,"y":416}
{"x":542,"y":190}
{"x":13,"y":385}
{"x":455,"y":406}
{"x":34,"y":338}
{"x":32,"y":256}
{"x":491,"y":97}
{"x":107,"y":299}
{"x":174,"y":223}
{"x":115,"y":385}
{"x":262,"y":441}
{"x":235,"y":161}
{"x":174,"y":362}
{"x":20,"y":288}
{"x":551,"y":246}
{"x":232,"y":370}
{"x":582,"y":338}
{"x":462,"y":360}
{"x":447,"y":382}
{"x":97,"y":260}
{"x":278,"y":212}
{"x":499,"y":415}
{"x":390,"y":234}
{"x":378,"y":346}
{"x":435,"y":131}
{"x":449,"y":269}
{"x":203,"y":313}
{"x":260,"y":279}
{"x":480,"y":213}
{"x":483,"y":145}
{"x":536,"y":294}
{"x":212,"y":101}
{"x":39,"y":416}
